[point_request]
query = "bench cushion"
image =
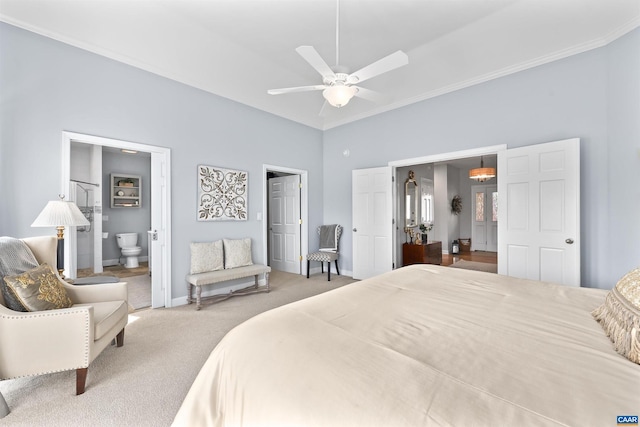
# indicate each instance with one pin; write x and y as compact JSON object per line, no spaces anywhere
{"x":227,"y":274}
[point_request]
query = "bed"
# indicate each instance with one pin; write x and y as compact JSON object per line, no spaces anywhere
{"x":423,"y":345}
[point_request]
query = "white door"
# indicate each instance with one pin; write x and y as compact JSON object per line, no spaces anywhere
{"x":539,"y":212}
{"x":484,"y":218}
{"x":284,"y":223}
{"x":372,"y":222}
{"x":159,"y":239}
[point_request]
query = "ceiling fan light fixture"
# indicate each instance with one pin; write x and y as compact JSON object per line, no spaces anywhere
{"x":482,"y":174}
{"x":339,"y":95}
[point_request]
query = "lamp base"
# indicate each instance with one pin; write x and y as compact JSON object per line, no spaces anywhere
{"x":60,"y":252}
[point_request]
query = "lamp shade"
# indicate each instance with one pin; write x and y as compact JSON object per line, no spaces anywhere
{"x":482,"y":174}
{"x":339,"y":95}
{"x":60,"y":213}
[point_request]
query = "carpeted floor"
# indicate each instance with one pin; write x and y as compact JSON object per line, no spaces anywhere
{"x":475,"y":265}
{"x":139,"y":289}
{"x":144,"y":382}
{"x":137,"y":278}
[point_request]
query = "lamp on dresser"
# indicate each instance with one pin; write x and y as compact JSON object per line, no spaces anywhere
{"x":60,"y":214}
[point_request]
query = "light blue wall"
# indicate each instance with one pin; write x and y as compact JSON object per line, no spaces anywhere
{"x":593,"y":96}
{"x":623,"y":160}
{"x":47,"y":87}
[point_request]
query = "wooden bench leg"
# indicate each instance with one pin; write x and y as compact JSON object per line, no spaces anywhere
{"x":198,"y":297}
{"x":266,"y":278}
{"x":189,"y":293}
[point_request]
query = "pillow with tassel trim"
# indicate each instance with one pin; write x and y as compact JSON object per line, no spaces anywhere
{"x":620,"y":316}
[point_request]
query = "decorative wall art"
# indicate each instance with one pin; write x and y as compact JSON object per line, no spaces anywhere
{"x":222,"y":194}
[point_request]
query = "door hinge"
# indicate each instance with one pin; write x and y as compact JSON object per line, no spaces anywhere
{"x":299,"y":185}
{"x":300,"y":221}
{"x":393,"y":221}
{"x":300,"y":257}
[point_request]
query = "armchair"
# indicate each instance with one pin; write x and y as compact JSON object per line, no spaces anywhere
{"x":42,"y":342}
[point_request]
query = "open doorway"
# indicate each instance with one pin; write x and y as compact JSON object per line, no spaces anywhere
{"x":285,"y":231}
{"x":159,"y":225}
{"x":449,"y":174}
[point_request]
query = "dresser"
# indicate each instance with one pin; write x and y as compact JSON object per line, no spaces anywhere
{"x":428,"y":253}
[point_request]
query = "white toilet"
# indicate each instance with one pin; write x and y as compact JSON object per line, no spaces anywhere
{"x":127,"y":242}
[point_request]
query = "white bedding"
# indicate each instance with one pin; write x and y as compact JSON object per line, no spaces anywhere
{"x":423,"y":345}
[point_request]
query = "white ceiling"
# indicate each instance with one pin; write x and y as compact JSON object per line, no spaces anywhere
{"x":240,"y":48}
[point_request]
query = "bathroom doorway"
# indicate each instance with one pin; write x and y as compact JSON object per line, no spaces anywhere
{"x":301,"y":239}
{"x":93,"y":196}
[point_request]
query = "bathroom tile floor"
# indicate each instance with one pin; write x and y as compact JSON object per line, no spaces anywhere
{"x":116,"y":270}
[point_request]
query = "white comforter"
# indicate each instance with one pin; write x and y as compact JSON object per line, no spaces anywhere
{"x":420,"y":346}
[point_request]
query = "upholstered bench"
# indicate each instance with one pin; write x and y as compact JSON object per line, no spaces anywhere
{"x":222,"y":261}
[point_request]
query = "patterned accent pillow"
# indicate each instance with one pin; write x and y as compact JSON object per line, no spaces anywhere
{"x":206,"y":256}
{"x":237,"y":253}
{"x":620,"y":316}
{"x":39,"y":289}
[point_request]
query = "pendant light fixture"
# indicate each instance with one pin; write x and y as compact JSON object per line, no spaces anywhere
{"x":482,"y":174}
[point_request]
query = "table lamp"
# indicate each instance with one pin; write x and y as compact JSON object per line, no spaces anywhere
{"x":59,"y":213}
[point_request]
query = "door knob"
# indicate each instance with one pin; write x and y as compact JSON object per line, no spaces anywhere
{"x":569,"y":241}
{"x":355,"y":229}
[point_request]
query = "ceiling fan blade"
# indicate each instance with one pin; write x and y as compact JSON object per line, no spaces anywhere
{"x":370,"y":95}
{"x":388,"y":63}
{"x":295,"y":89}
{"x":314,"y":59}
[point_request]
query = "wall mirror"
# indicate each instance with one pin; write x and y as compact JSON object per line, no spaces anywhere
{"x":412,"y":197}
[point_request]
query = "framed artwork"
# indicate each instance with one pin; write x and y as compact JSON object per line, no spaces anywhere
{"x":222,"y":194}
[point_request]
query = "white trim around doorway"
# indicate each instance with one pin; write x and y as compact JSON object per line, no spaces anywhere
{"x":160,"y":216}
{"x":304,"y":210}
{"x":435,"y":158}
{"x":454,"y":155}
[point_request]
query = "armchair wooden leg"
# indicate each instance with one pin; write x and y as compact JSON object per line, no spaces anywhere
{"x":81,"y":380}
{"x":120,"y":338}
{"x":337,"y":270}
{"x":308,"y":263}
{"x":328,"y":271}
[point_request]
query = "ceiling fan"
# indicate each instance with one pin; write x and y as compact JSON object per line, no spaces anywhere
{"x":338,"y":87}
